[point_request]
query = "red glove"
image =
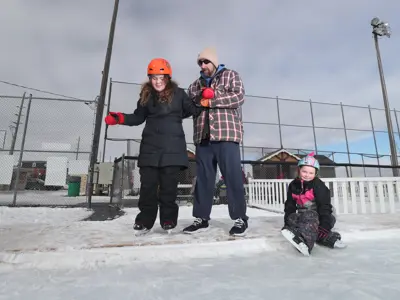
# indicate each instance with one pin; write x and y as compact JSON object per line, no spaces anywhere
{"x":208,"y":93}
{"x":114,"y":118}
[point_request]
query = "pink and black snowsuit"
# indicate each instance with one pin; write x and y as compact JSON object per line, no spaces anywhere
{"x":308,"y":209}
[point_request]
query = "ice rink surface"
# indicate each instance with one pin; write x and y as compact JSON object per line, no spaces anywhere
{"x":51,"y":254}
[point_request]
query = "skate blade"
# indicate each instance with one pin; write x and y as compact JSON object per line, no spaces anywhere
{"x":302,"y":248}
{"x":340,"y":245}
{"x":238,"y":234}
{"x":243,"y":234}
{"x":141,"y":232}
{"x":197,"y":231}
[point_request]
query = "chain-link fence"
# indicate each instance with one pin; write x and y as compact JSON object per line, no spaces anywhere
{"x":126,"y":178}
{"x":126,"y":183}
{"x":347,"y":134}
{"x":44,"y":144}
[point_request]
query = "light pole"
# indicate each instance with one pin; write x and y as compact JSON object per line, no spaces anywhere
{"x":100,"y":105}
{"x":380,"y":28}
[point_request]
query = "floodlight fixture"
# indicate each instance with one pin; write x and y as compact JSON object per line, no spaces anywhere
{"x":380,"y":28}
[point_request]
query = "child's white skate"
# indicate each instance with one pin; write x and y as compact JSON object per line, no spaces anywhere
{"x":340,"y":244}
{"x":332,"y":240}
{"x":296,"y":240}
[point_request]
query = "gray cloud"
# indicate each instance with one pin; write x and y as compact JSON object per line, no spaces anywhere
{"x":309,"y":50}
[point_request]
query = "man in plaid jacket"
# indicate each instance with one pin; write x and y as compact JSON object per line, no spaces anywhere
{"x":217,"y":134}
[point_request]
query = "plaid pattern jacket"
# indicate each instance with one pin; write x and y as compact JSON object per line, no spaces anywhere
{"x":224,"y":113}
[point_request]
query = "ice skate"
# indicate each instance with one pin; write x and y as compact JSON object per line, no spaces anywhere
{"x":239,"y":228}
{"x":296,"y":240}
{"x":199,"y":225}
{"x":168,"y":227}
{"x":139,"y":230}
{"x":340,"y":244}
{"x":332,"y":240}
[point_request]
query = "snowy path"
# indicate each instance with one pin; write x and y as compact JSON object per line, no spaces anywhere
{"x":367,"y":270}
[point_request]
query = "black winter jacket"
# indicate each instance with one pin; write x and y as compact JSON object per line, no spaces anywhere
{"x":314,"y":195}
{"x":163,"y":138}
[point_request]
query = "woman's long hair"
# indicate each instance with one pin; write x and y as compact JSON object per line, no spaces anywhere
{"x":164,"y":96}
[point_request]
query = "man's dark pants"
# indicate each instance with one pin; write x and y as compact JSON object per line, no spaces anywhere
{"x":227,"y":156}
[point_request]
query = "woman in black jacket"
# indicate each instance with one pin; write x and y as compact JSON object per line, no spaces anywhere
{"x":163,"y":152}
{"x":308,"y":210}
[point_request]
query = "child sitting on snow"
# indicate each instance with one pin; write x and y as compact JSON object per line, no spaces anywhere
{"x":308,"y":210}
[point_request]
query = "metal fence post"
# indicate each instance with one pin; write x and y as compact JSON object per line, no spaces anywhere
{"x":4,"y":139}
{"x":251,"y":196}
{"x":113,"y":181}
{"x":129,"y":166}
{"x":373,"y":134}
{"x":21,"y":153}
{"x":279,"y":121}
{"x":121,"y":194}
{"x":242,"y":146}
{"x":313,"y":127}
{"x":397,"y":123}
{"x":345,"y":135}
{"x":362,"y":159}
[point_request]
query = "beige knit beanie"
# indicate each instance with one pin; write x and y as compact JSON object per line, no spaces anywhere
{"x":209,"y":53}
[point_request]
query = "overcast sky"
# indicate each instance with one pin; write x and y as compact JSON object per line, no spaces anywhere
{"x":305,"y":50}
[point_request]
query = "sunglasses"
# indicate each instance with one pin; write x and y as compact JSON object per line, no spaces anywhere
{"x":203,"y":61}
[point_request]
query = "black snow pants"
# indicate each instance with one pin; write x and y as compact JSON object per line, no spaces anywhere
{"x":306,"y":224}
{"x":159,"y":187}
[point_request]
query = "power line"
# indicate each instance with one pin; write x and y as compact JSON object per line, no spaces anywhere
{"x":37,"y":90}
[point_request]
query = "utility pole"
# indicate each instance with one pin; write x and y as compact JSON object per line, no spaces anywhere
{"x":77,"y":147}
{"x":100,"y":104}
{"x":14,"y":139}
{"x":380,"y":28}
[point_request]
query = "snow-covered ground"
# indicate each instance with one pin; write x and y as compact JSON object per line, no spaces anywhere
{"x":46,"y":198}
{"x":49,"y":253}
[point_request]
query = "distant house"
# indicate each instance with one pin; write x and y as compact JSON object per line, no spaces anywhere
{"x":276,"y":170}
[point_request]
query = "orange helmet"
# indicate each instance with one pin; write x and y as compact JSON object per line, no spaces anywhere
{"x":159,"y":66}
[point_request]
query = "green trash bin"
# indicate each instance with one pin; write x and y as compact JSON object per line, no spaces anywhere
{"x":74,"y":186}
